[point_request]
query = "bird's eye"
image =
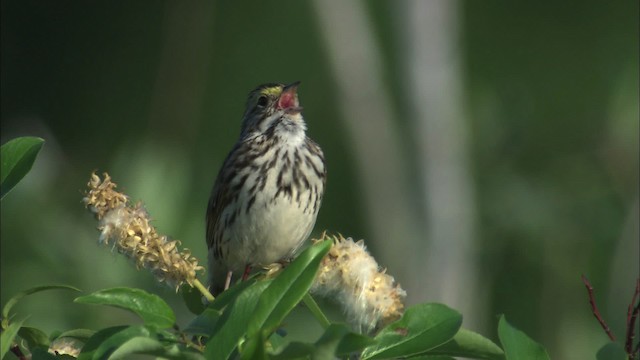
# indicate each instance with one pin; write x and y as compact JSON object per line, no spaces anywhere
{"x":262,"y":101}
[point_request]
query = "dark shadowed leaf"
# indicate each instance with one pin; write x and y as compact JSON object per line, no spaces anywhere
{"x":143,"y":345}
{"x":612,"y":351}
{"x":230,"y":294}
{"x":106,"y":341}
{"x":295,"y":350}
{"x":193,"y":299}
{"x":203,"y":324}
{"x":338,"y":340}
{"x":43,"y":354}
{"x":34,"y":337}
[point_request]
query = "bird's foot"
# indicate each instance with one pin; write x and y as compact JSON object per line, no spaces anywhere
{"x":247,"y":271}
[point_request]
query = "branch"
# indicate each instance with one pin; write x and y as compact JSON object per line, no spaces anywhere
{"x":595,"y":310}
{"x":632,"y":315}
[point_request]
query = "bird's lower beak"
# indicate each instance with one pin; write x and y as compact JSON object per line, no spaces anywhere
{"x":288,"y":100}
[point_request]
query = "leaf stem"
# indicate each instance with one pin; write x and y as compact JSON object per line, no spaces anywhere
{"x":312,"y":305}
{"x":203,"y":290}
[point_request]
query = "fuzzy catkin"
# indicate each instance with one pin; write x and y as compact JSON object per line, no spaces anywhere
{"x":127,"y":229}
{"x":351,"y":276}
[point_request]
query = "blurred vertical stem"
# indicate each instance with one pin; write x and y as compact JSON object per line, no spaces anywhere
{"x":431,"y":55}
{"x":366,"y":108}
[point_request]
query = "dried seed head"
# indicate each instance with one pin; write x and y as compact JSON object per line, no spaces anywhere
{"x":127,"y":228}
{"x":370,"y":298}
{"x":68,"y":346}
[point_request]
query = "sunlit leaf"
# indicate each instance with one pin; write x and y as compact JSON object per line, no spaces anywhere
{"x":8,"y":336}
{"x":137,"y":345}
{"x":151,"y":308}
{"x":287,"y":289}
{"x":421,"y":328}
{"x":16,"y":158}
{"x":232,"y":325}
{"x":469,"y":344}
{"x":517,"y":345}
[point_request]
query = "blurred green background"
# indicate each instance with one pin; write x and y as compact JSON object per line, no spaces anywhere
{"x":511,"y":124}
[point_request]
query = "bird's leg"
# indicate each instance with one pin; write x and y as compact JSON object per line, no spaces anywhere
{"x":227,"y":283}
{"x":247,"y":271}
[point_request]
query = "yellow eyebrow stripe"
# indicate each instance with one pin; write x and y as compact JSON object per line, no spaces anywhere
{"x":276,"y":90}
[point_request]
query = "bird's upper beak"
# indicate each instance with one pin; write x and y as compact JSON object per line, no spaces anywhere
{"x":288,"y":100}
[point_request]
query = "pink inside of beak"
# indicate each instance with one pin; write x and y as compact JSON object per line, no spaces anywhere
{"x":288,"y":100}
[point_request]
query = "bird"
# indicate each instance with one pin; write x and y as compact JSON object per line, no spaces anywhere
{"x":267,"y":194}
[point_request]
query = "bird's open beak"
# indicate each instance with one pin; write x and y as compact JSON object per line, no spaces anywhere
{"x":288,"y":100}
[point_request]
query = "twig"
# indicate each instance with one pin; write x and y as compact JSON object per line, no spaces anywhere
{"x":203,"y":290}
{"x":632,"y":315}
{"x":595,"y":310}
{"x":315,"y":310}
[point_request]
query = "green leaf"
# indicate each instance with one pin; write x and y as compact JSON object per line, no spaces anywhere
{"x":17,"y":157}
{"x":338,"y":340}
{"x":149,"y":346}
{"x":517,"y":345}
{"x":229,"y":295}
{"x":137,"y":345}
{"x":287,"y":289}
{"x":90,"y":347}
{"x":611,"y":351}
{"x":469,"y":344}
{"x":106,"y":341}
{"x":421,"y":328}
{"x":7,"y":337}
{"x":17,"y":297}
{"x":276,"y":343}
{"x":203,"y":324}
{"x":43,"y":354}
{"x":295,"y":350}
{"x":193,"y":299}
{"x":255,"y":348}
{"x":151,"y":308}
{"x":432,"y":357}
{"x":34,"y":337}
{"x":232,"y":325}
